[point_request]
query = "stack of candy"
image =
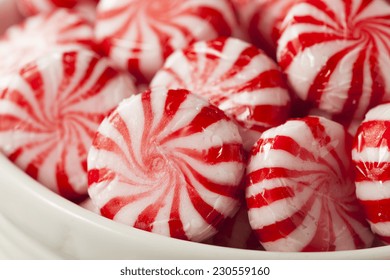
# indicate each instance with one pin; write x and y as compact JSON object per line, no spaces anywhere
{"x":261,"y":125}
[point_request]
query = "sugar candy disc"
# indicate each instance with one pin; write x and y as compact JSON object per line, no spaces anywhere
{"x":168,"y":162}
{"x":300,"y":189}
{"x":50,"y":111}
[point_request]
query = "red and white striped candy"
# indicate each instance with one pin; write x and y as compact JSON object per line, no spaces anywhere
{"x":168,"y":162}
{"x":236,"y":77}
{"x":300,"y":190}
{"x":371,"y":155}
{"x":336,"y":54}
{"x":139,"y":34}
{"x":36,"y":36}
{"x":33,"y":7}
{"x":50,"y":111}
{"x":236,"y":232}
{"x":261,"y":21}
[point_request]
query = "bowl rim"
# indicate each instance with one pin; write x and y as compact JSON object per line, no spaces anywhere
{"x":13,"y":177}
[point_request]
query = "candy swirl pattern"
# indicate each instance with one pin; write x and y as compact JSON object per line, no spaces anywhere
{"x":236,"y":77}
{"x":300,"y":191}
{"x":168,"y":162}
{"x":39,"y":35}
{"x":371,"y":156}
{"x":336,"y":55}
{"x":139,"y":34}
{"x":49,"y":113}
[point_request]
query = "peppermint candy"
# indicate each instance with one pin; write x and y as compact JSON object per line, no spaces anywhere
{"x":236,"y":77}
{"x":49,"y":113}
{"x":336,"y":55}
{"x":37,"y":36}
{"x":139,"y":34}
{"x":300,"y":189}
{"x":371,"y":156}
{"x":168,"y":162}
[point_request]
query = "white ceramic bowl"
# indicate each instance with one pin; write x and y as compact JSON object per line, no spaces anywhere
{"x":35,"y":223}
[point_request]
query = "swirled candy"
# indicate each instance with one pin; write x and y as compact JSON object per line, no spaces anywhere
{"x":168,"y":162}
{"x":139,"y":34}
{"x":371,"y":156}
{"x":300,"y":189}
{"x":236,"y":77}
{"x":39,"y":35}
{"x":49,"y":113}
{"x":336,"y":55}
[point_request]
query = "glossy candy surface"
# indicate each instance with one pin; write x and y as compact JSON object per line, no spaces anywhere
{"x":236,"y":77}
{"x":300,"y":190}
{"x":39,"y":35}
{"x":168,"y":162}
{"x":49,"y":113}
{"x":336,"y":55}
{"x":139,"y":34}
{"x":371,"y":156}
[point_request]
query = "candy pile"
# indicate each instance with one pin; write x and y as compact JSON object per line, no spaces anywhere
{"x":254,"y":124}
